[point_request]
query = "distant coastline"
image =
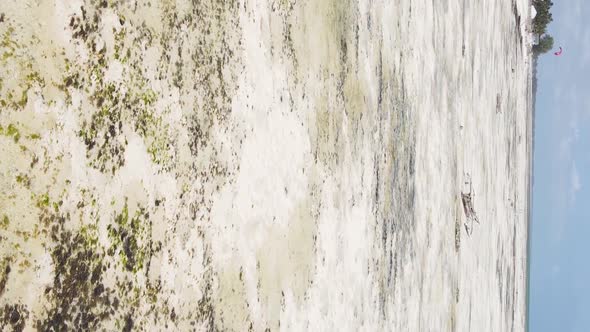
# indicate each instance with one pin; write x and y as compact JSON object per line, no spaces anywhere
{"x":532,"y":109}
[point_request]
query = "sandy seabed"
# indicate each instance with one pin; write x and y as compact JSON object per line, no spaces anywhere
{"x":263,"y":165}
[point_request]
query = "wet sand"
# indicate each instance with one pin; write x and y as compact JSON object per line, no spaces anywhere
{"x":253,"y":165}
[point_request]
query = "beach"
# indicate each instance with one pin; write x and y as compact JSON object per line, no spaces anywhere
{"x":280,"y":165}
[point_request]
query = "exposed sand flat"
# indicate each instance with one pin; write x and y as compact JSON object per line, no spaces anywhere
{"x":253,"y":165}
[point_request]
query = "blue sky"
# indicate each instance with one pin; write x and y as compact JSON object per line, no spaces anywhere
{"x":560,"y":269}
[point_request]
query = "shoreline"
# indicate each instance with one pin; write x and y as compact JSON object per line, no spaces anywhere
{"x":531,"y":139}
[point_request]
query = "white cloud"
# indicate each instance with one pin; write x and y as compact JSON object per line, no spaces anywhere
{"x":557,"y":92}
{"x":575,"y":184}
{"x":573,"y":131}
{"x":571,"y":18}
{"x":565,"y":146}
{"x":584,"y":42}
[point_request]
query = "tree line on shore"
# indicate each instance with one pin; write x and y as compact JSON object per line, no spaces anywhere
{"x":540,"y":22}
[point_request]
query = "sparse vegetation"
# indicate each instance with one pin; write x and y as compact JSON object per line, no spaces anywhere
{"x":13,"y":317}
{"x":130,"y":239}
{"x":11,"y":131}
